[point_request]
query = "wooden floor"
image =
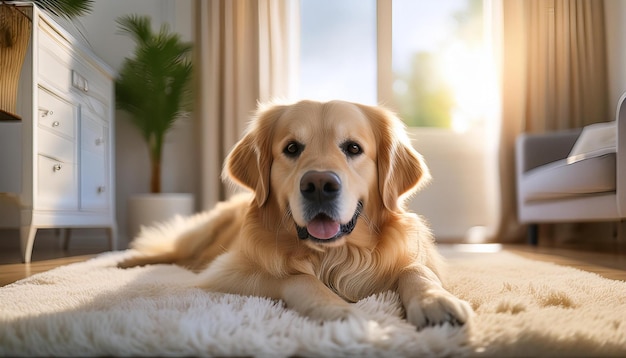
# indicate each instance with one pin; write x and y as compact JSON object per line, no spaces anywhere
{"x":606,"y":260}
{"x":609,"y":264}
{"x":47,"y":253}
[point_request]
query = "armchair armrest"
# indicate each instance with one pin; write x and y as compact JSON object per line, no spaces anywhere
{"x":534,"y":150}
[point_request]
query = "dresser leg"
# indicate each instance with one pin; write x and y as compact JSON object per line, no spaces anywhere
{"x":27,"y":239}
{"x":66,"y":239}
{"x":112,"y":230}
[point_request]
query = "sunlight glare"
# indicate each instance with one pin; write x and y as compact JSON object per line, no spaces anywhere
{"x":467,"y":72}
{"x":478,"y":248}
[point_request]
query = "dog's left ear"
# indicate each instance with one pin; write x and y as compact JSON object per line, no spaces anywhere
{"x":401,"y":169}
{"x":250,"y":161}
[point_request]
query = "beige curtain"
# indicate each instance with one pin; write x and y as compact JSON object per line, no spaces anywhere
{"x":244,"y":55}
{"x":553,"y":76}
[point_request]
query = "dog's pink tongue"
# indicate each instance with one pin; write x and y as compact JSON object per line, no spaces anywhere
{"x":323,"y":228}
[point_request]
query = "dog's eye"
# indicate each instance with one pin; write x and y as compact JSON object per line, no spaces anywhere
{"x":352,"y":148}
{"x":293,"y":149}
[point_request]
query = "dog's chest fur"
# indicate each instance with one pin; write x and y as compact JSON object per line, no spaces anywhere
{"x":354,"y":273}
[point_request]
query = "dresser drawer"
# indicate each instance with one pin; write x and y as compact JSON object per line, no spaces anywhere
{"x":93,"y":135}
{"x":57,"y":187}
{"x":94,"y":186}
{"x":56,"y":114}
{"x":54,"y":146}
{"x":54,"y":60}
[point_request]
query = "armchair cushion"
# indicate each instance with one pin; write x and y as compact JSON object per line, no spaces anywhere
{"x":595,"y":140}
{"x":589,"y":168}
{"x":565,"y":178}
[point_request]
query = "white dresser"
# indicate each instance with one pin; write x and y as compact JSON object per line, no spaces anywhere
{"x":60,"y":173}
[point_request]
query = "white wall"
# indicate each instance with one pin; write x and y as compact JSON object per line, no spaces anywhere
{"x":460,"y":201}
{"x":132,"y":164}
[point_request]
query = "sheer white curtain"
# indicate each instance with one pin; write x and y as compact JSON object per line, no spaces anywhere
{"x":245,"y":54}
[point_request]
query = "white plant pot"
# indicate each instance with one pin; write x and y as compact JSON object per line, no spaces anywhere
{"x":150,"y":209}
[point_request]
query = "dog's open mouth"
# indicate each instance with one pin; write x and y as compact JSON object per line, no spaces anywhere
{"x":324,"y":229}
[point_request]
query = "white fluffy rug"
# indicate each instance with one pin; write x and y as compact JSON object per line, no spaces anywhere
{"x":523,"y":308}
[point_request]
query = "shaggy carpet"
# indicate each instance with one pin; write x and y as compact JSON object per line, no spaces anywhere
{"x":523,"y":308}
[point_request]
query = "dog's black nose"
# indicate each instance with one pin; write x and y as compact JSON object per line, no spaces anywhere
{"x":320,"y":186}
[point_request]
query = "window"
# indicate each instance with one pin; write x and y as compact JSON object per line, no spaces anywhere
{"x":437,"y":62}
{"x":438,"y":68}
{"x":338,"y":50}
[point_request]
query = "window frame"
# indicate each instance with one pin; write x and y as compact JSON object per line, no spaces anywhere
{"x":384,"y":67}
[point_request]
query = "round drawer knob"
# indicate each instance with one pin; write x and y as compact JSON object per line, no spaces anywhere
{"x":56,"y":123}
{"x":101,"y":189}
{"x":56,"y":167}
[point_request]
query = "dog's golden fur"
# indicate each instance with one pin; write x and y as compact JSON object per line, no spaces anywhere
{"x":314,"y":169}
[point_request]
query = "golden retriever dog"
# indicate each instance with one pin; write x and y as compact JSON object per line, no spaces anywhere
{"x":324,"y":224}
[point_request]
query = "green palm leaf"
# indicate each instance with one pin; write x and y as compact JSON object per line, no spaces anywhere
{"x":154,"y":84}
{"x":66,"y":8}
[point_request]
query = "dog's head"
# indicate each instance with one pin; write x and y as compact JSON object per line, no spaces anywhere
{"x":327,"y":164}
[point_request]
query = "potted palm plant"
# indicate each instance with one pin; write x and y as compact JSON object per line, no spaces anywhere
{"x":154,"y":88}
{"x":15,"y":32}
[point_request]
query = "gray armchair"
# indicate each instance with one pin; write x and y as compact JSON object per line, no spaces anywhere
{"x":573,"y":176}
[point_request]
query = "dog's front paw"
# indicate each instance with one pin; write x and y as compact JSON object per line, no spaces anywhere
{"x":438,"y":307}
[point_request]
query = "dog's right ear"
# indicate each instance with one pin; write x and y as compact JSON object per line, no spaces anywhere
{"x":250,"y":161}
